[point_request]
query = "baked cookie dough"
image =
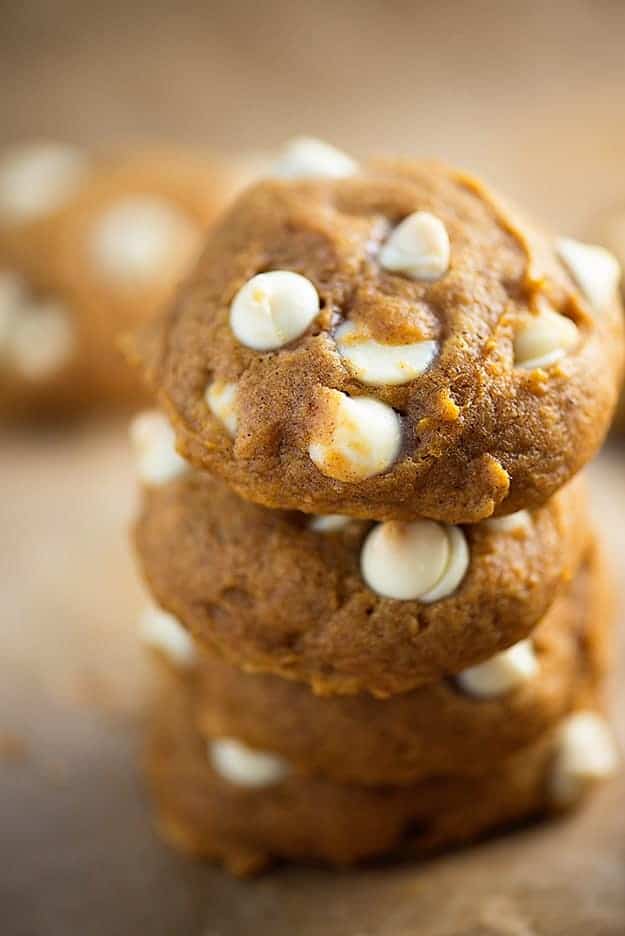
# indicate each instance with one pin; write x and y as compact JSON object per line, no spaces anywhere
{"x":391,"y":343}
{"x":221,"y":801}
{"x":609,"y":230}
{"x":346,"y":605}
{"x":458,"y":726}
{"x":90,"y":247}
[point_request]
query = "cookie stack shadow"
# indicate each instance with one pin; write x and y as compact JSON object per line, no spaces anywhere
{"x":372,"y":664}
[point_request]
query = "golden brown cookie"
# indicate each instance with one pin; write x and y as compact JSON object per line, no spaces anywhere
{"x":232,"y":806}
{"x":609,"y":230}
{"x":392,"y":344}
{"x":90,"y":247}
{"x":459,"y":726}
{"x":306,"y":598}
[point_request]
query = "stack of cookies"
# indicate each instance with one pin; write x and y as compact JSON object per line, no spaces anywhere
{"x":380,"y":609}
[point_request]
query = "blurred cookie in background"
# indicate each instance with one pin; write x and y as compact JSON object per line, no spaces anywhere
{"x":610,"y":231}
{"x":91,"y":246}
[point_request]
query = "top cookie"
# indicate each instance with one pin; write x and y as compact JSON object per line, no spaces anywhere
{"x":394,"y":343}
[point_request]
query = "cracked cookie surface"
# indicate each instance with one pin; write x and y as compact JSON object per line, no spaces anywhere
{"x":394,"y":344}
{"x":443,"y":728}
{"x":285,"y":593}
{"x":209,"y":810}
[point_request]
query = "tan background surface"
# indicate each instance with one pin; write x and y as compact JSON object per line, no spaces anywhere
{"x":532,"y":95}
{"x":77,"y":855}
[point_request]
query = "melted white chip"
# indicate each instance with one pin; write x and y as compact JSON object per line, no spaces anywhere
{"x":154,"y":446}
{"x":221,"y":398}
{"x":512,"y":523}
{"x":307,"y":158}
{"x":272,"y":309}
{"x":380,"y":364}
{"x":586,"y":753}
{"x":36,"y":179}
{"x":328,"y":523}
{"x":423,"y":560}
{"x":165,"y":632}
{"x":418,"y":247}
{"x":141,"y":239}
{"x":543,"y":339}
{"x":502,"y":673}
{"x":356,"y":437}
{"x":595,"y":270}
{"x":241,"y":765}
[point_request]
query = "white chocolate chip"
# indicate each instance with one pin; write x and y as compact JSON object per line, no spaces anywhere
{"x":358,"y":437}
{"x":307,"y":158}
{"x":328,"y":523}
{"x":455,"y":570}
{"x":512,"y":523}
{"x":43,"y":340}
{"x":241,"y":765}
{"x":154,"y":446}
{"x":502,"y":673}
{"x":422,"y":560}
{"x":403,"y":560}
{"x":36,"y":335}
{"x":12,"y":299}
{"x":595,"y":270}
{"x":272,"y":309}
{"x":12,"y":288}
{"x":221,"y":398}
{"x":382,"y":364}
{"x":586,"y":753}
{"x":613,"y":234}
{"x":418,"y":247}
{"x":543,"y":339}
{"x":36,"y":179}
{"x":164,"y":632}
{"x":141,"y":239}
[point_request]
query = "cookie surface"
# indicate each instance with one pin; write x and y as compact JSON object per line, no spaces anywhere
{"x":89,"y":248}
{"x":609,"y":230}
{"x":445,"y":728}
{"x":201,"y":811}
{"x":296,"y":596}
{"x":395,"y":344}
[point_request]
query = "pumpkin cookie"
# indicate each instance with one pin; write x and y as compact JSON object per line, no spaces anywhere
{"x":458,"y":726}
{"x":90,"y":247}
{"x":222,"y":801}
{"x":610,"y":231}
{"x":344,"y":604}
{"x":389,"y":341}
